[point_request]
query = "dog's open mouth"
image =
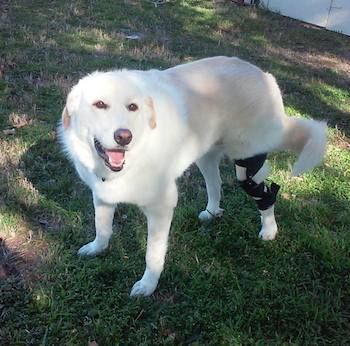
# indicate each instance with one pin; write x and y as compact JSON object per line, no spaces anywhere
{"x":113,"y":158}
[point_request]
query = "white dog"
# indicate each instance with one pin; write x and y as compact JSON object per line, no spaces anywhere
{"x":130,"y":134}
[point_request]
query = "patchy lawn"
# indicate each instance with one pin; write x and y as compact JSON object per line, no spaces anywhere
{"x":221,"y":284}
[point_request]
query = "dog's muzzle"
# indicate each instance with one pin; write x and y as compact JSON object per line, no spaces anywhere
{"x":114,"y":159}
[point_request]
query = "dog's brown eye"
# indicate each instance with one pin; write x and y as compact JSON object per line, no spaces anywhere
{"x":132,"y":107}
{"x":100,"y":105}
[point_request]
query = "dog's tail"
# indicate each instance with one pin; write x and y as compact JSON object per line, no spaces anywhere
{"x":308,"y":138}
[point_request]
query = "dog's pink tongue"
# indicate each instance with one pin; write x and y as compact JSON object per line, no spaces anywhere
{"x":116,"y":158}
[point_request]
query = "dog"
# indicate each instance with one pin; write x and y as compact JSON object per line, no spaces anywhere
{"x":130,"y":134}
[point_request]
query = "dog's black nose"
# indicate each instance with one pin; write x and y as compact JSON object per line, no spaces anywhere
{"x":123,"y":136}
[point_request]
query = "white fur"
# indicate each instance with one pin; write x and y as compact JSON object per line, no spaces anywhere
{"x":202,"y":110}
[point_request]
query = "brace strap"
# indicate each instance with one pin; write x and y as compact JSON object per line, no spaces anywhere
{"x":264,"y":196}
{"x":252,"y":164}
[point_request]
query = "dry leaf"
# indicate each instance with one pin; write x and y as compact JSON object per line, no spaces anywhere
{"x":20,"y":120}
{"x":9,"y":132}
{"x":92,"y":343}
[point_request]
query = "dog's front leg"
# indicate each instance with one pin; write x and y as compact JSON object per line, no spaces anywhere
{"x":104,"y":214}
{"x":158,"y":222}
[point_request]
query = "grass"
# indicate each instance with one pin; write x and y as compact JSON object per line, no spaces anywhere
{"x":221,"y":284}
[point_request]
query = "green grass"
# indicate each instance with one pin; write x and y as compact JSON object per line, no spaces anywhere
{"x":221,"y":284}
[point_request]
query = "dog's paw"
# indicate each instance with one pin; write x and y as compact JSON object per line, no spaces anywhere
{"x":268,"y":232}
{"x":206,"y":216}
{"x":143,"y":288}
{"x":91,"y":249}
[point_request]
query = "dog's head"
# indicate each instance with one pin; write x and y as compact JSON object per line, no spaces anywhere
{"x":110,"y":112}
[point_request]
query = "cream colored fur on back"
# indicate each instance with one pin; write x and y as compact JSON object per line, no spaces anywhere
{"x":250,"y":117}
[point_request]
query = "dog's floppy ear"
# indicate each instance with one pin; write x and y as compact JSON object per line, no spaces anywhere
{"x":71,"y":106}
{"x":152,"y":120}
{"x":65,"y":118}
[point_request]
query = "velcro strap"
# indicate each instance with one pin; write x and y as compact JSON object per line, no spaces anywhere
{"x":265,"y":196}
{"x":252,"y":188}
{"x":269,"y":197}
{"x":252,"y":164}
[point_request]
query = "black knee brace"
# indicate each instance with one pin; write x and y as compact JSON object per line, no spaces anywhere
{"x":264,"y":196}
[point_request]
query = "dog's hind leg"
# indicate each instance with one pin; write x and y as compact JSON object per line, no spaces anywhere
{"x":209,"y":167}
{"x":251,"y":173}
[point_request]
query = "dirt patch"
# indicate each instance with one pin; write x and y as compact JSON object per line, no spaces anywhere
{"x":340,"y":140}
{"x":17,"y":259}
